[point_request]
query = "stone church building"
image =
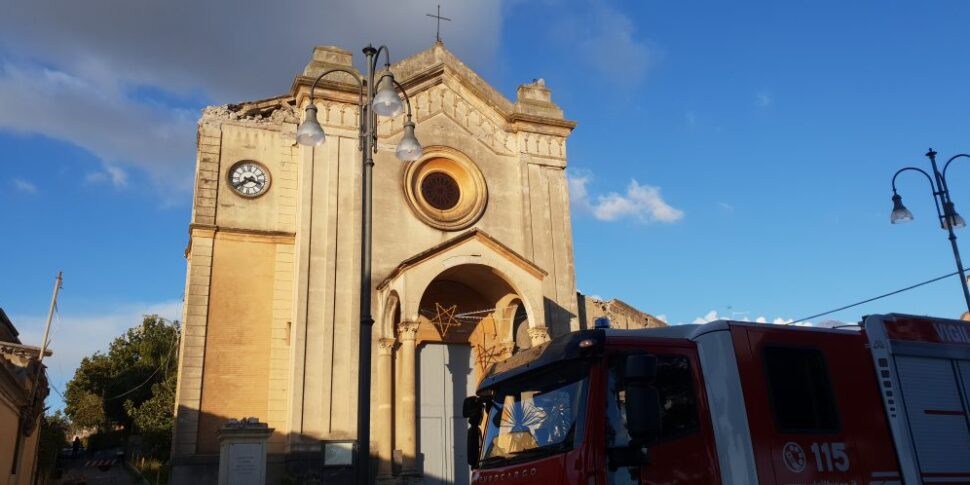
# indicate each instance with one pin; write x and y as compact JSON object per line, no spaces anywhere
{"x":472,"y":261}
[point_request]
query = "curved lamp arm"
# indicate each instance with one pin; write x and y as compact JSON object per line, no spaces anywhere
{"x":939,"y":212}
{"x":407,"y":99}
{"x":360,"y":97}
{"x":377,"y":56}
{"x":360,"y":84}
{"x":947,"y":164}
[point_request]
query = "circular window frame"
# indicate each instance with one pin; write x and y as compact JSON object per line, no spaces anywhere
{"x":269,"y":179}
{"x":472,"y":190}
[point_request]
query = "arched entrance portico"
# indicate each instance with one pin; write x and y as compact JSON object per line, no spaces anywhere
{"x":450,"y":313}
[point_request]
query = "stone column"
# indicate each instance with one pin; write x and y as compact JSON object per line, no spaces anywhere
{"x":538,"y":335}
{"x":384,"y":408}
{"x":408,"y":332}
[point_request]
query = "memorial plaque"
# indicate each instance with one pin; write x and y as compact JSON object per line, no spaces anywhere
{"x":338,"y":453}
{"x":246,"y":463}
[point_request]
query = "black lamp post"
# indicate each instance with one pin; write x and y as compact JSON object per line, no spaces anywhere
{"x":945,"y":212}
{"x":384,"y":102}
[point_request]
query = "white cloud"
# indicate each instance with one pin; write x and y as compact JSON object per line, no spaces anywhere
{"x":642,"y":203}
{"x":125,"y":80}
{"x":691,"y":119}
{"x":709,"y":317}
{"x":113,"y":174}
{"x":24,"y":186}
{"x":726,"y":207}
{"x":607,"y":41}
{"x":713,"y":316}
{"x":101,"y":119}
{"x":763,"y":99}
{"x":75,"y":336}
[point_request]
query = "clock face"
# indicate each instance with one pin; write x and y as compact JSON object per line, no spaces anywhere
{"x":249,"y":178}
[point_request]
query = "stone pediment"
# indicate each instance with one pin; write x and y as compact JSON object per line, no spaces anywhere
{"x":465,"y":254}
{"x":533,"y":110}
{"x":446,"y":249}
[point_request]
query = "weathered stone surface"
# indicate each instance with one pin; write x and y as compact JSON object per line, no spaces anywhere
{"x":272,"y":288}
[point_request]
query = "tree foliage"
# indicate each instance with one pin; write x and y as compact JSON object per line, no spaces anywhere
{"x":53,"y":437}
{"x":131,"y":385}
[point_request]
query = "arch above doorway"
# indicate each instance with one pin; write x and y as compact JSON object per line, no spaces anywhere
{"x":473,"y":259}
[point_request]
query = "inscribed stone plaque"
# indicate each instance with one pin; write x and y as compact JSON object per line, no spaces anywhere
{"x":245,"y":463}
{"x":338,"y":454}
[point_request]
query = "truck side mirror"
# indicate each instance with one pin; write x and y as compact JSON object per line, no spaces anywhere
{"x":473,"y":446}
{"x":643,"y":411}
{"x":471,"y":407}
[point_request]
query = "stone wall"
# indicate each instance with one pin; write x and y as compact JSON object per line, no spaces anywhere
{"x":621,"y":315}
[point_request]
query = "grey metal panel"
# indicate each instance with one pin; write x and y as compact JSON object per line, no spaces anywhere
{"x":895,"y":407}
{"x":732,"y":435}
{"x":431,"y":389}
{"x":926,"y":349}
{"x":936,"y":412}
{"x":445,"y":379}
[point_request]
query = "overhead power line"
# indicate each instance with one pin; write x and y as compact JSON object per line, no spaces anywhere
{"x":891,"y":293}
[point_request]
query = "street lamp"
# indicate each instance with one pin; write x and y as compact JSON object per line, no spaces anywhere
{"x":945,"y":212}
{"x":384,"y":102}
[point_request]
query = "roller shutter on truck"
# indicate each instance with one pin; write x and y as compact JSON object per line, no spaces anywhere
{"x":923,"y":367}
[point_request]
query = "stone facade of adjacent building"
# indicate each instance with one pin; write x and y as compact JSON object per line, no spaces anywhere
{"x":23,"y":388}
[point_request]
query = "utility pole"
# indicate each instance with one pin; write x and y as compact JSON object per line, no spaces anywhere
{"x":47,"y":332}
{"x":27,"y":419}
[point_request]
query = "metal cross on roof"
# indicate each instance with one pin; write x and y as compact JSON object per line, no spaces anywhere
{"x":437,"y":34}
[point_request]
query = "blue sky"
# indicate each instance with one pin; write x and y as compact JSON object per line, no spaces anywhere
{"x":732,"y":158}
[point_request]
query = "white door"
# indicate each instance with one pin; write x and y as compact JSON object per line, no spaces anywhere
{"x":444,"y":380}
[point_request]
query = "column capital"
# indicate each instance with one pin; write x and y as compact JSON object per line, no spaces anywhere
{"x":538,"y":335}
{"x":385,"y":345}
{"x":408,"y":331}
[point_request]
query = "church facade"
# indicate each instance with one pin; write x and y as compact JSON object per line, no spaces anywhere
{"x":472,"y":261}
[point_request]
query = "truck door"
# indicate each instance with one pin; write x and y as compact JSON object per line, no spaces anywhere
{"x":924,"y":377}
{"x":813,"y":408}
{"x":682,"y":454}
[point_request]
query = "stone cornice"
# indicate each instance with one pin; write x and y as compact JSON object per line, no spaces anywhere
{"x":212,"y":231}
{"x":239,"y":230}
{"x":471,"y":235}
{"x":21,"y":350}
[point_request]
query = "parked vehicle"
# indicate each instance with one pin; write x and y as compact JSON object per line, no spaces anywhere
{"x":884,"y":402}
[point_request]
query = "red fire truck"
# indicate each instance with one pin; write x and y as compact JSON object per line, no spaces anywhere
{"x":884,"y":402}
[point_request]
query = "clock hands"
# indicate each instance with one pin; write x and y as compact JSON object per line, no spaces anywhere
{"x":246,"y":179}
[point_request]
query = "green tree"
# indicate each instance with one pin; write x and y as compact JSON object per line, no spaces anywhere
{"x":132,"y":384}
{"x":53,"y":437}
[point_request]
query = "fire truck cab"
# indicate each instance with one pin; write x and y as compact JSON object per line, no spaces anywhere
{"x":884,"y":402}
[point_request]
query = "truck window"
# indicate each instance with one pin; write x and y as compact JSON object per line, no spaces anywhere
{"x":674,"y":382}
{"x":800,"y":390}
{"x":536,"y":415}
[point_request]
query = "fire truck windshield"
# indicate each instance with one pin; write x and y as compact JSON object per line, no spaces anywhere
{"x":537,"y":414}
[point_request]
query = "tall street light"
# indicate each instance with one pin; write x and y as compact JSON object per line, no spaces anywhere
{"x":383,"y":101}
{"x":945,"y":212}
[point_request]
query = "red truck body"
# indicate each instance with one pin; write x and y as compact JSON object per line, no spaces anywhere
{"x":885,"y":402}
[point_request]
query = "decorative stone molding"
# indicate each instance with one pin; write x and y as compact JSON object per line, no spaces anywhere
{"x":469,"y":192}
{"x":407,"y":331}
{"x":385,"y":345}
{"x":538,"y":335}
{"x":504,"y":350}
